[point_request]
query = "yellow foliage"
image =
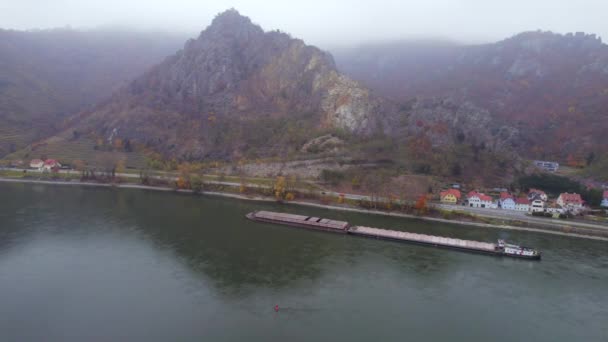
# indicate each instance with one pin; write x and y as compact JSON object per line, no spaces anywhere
{"x":182,"y":183}
{"x":290,"y":196}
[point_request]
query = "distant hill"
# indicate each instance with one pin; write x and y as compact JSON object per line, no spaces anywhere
{"x":48,"y":75}
{"x":552,"y":89}
{"x":234,"y":91}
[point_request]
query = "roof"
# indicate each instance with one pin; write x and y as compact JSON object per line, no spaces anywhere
{"x":536,"y":191}
{"x":454,"y":192}
{"x":484,"y":198}
{"x":50,"y":162}
{"x":522,"y":200}
{"x":571,"y":198}
{"x":481,"y":196}
{"x":504,"y":195}
{"x":606,"y":194}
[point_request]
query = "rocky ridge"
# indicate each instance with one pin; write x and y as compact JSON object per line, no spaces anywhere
{"x":234,"y":73}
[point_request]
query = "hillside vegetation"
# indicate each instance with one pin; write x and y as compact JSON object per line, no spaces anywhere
{"x":550,"y":89}
{"x":47,"y":76}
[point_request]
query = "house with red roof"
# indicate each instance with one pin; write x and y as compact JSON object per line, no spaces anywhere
{"x":50,"y":164}
{"x":479,"y":200}
{"x":450,"y":196}
{"x":573,"y":201}
{"x":522,"y":204}
{"x":605,"y":199}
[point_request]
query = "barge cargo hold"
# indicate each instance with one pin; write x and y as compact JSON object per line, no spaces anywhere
{"x":309,"y":222}
{"x":498,"y":249}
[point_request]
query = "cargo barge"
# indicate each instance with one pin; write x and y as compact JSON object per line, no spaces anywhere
{"x":501,"y":248}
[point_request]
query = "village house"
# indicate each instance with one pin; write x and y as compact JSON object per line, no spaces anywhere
{"x":479,"y":200}
{"x":451,"y":196}
{"x":506,"y":201}
{"x":522,"y":204}
{"x":605,"y":200}
{"x":537,"y":206}
{"x":36,"y":164}
{"x":534,"y":194}
{"x":572,"y":201}
{"x":50,"y":164}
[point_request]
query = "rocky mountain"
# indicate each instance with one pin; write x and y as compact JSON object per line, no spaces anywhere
{"x":237,"y":92}
{"x":48,"y":75}
{"x":235,"y":89}
{"x":550,"y":89}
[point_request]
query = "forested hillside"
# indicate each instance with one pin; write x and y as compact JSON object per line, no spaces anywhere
{"x":552,"y":89}
{"x":48,"y":75}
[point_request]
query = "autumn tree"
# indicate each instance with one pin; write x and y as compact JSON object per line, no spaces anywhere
{"x":421,"y":205}
{"x":121,"y":165}
{"x":279,"y":188}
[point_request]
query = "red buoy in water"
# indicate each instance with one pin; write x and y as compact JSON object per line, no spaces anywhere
{"x":276,"y":308}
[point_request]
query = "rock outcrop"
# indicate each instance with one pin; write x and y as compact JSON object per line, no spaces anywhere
{"x":234,"y":73}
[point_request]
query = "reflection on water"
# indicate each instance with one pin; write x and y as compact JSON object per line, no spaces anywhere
{"x":163,"y":266}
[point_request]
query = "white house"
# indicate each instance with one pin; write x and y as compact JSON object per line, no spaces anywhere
{"x":50,"y":164}
{"x":522,"y":204}
{"x":572,"y":201}
{"x":477,"y":200}
{"x":605,"y":200}
{"x":537,"y":206}
{"x":36,"y":164}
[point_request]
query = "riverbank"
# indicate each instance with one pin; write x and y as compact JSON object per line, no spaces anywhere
{"x":581,"y":233}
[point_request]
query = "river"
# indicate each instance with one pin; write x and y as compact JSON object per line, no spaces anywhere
{"x":90,"y":264}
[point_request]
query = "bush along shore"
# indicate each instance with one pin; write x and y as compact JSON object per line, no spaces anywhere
{"x":284,"y":191}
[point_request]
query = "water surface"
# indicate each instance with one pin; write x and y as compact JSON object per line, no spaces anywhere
{"x":113,"y":264}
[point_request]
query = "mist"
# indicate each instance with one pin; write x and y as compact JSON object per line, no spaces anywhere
{"x":324,"y":23}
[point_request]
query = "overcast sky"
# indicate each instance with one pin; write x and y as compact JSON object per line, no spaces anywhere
{"x":323,"y":22}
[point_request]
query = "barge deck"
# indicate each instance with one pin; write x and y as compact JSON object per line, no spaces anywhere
{"x":438,"y":241}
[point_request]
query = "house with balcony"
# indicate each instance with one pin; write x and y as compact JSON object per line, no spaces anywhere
{"x":537,"y":206}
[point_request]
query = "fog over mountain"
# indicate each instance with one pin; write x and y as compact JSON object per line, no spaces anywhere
{"x":324,"y":23}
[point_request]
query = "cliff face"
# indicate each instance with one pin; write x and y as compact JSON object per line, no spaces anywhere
{"x":221,"y":83}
